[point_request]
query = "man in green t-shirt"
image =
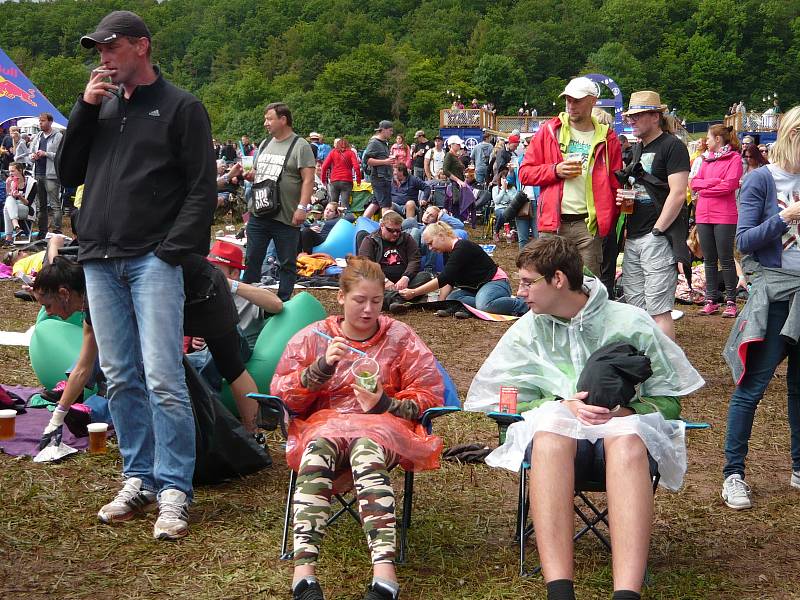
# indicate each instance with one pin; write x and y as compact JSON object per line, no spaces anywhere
{"x":288,"y":159}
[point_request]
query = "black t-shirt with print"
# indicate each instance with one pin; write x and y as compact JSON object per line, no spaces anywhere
{"x":419,"y":161}
{"x":662,"y":157}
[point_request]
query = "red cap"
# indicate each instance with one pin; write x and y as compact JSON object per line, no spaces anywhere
{"x":227,"y":254}
{"x":513,"y":139}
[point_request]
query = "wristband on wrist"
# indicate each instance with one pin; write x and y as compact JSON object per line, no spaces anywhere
{"x":234,"y":286}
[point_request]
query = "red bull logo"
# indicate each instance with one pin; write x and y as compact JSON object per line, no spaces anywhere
{"x":11,"y":91}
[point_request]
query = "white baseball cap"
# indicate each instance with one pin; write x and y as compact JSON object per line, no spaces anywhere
{"x":580,"y":87}
{"x":454,"y":139}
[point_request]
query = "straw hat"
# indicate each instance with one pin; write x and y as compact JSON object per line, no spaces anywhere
{"x":646,"y":101}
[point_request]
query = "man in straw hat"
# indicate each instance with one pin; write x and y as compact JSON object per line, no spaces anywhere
{"x":657,"y":228}
{"x":572,"y":158}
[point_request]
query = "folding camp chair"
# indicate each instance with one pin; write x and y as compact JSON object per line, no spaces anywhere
{"x":595,"y":519}
{"x":270,"y":406}
{"x":27,"y":224}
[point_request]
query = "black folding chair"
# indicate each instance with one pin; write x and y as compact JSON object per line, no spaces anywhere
{"x":272,"y":406}
{"x":595,"y":519}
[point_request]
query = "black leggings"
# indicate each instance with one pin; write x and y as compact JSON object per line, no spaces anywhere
{"x":716,"y":240}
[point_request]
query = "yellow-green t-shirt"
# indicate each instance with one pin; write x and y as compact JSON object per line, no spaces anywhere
{"x":573,"y":201}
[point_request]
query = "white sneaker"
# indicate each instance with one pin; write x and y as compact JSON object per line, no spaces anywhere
{"x":130,"y":501}
{"x":173,"y":516}
{"x":736,"y":493}
{"x":795,"y":480}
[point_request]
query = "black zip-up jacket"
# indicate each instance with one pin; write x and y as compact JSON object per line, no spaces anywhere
{"x":149,"y":173}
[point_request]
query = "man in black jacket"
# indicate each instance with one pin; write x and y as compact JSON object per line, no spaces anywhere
{"x":142,"y":147}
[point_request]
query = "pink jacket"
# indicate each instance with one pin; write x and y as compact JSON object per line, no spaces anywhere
{"x":717,"y":182}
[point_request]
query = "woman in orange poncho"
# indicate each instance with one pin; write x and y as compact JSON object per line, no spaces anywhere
{"x":343,"y":431}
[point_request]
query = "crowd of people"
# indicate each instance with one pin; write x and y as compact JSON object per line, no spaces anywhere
{"x":577,"y":196}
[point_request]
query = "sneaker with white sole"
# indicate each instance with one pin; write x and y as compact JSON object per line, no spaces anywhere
{"x":173,"y":516}
{"x":131,"y":501}
{"x":795,"y":480}
{"x":736,"y":493}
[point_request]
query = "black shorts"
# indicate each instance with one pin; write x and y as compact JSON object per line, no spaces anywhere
{"x":590,"y":462}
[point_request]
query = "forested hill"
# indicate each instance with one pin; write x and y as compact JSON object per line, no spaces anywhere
{"x":344,"y":64}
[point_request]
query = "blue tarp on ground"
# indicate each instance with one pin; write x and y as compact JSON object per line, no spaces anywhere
{"x":19,"y":98}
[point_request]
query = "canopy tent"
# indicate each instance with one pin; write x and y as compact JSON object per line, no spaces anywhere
{"x":19,"y":98}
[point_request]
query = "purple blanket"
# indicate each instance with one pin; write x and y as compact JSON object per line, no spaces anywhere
{"x":29,"y":430}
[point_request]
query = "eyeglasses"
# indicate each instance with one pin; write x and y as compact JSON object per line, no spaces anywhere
{"x":637,"y":116}
{"x":393,"y":231}
{"x":524,"y":285}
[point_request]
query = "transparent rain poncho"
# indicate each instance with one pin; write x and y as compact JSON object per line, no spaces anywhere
{"x":543,"y":356}
{"x":408,"y":371}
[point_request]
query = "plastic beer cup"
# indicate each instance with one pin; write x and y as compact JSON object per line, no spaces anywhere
{"x":8,"y":420}
{"x":97,"y":437}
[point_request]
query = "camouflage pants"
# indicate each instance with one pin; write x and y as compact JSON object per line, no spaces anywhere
{"x":312,"y":496}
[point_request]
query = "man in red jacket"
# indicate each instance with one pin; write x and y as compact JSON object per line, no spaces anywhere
{"x":572,"y":159}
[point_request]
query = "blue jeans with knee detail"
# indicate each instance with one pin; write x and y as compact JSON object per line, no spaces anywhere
{"x":494,"y":297}
{"x":136,"y":307}
{"x":762,"y":360}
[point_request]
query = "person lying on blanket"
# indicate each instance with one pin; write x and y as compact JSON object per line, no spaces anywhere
{"x":568,"y":437}
{"x":345,"y":433}
{"x":470,"y":276}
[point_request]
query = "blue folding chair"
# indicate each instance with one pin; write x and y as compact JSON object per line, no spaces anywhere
{"x":586,"y":510}
{"x":272,"y":406}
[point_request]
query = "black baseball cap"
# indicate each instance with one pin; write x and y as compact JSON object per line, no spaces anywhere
{"x":116,"y":24}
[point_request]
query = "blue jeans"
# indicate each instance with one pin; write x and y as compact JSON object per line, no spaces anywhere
{"x":762,"y":360}
{"x":260,"y":231}
{"x":494,"y":297}
{"x":137,"y":315}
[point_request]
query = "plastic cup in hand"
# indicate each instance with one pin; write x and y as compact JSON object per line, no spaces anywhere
{"x":576,"y":157}
{"x":366,"y":371}
{"x":97,"y":437}
{"x":8,"y":421}
{"x":628,"y":201}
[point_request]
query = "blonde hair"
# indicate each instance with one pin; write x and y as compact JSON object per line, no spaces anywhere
{"x":438,"y":229}
{"x":391,"y":216}
{"x":785,"y":152}
{"x":602,"y":116}
{"x":359,"y":268}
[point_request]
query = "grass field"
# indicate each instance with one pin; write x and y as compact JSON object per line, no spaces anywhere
{"x":460,"y":544}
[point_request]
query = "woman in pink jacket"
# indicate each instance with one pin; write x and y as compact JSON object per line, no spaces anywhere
{"x":716,"y":184}
{"x":401,"y":151}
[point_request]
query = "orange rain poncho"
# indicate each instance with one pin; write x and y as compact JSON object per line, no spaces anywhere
{"x":408,"y":372}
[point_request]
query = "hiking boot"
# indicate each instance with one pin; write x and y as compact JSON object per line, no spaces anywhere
{"x":307,"y":590}
{"x":795,"y":480}
{"x":173,"y":516}
{"x":730,"y":311}
{"x":736,"y":493}
{"x":376,"y":591}
{"x":131,"y":501}
{"x":461,"y":314}
{"x":709,"y":308}
{"x":398,"y":308}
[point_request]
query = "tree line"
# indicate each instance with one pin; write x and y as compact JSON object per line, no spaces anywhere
{"x":342,"y":65}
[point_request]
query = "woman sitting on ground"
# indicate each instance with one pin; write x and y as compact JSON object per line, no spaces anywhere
{"x":342,"y":427}
{"x":469,"y":276}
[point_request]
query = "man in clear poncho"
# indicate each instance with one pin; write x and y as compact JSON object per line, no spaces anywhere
{"x":542,"y":355}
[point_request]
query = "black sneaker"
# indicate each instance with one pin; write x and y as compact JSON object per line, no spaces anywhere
{"x":461,"y":314}
{"x":398,"y":308}
{"x":23,"y":295}
{"x":445,"y":312}
{"x":376,"y":591}
{"x":307,"y":590}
